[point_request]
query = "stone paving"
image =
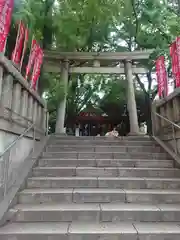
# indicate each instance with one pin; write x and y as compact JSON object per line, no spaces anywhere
{"x":98,"y":188}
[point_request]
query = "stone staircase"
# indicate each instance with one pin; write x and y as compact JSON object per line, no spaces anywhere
{"x":101,"y":188}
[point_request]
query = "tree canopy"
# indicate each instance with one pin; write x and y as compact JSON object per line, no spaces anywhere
{"x":99,"y":25}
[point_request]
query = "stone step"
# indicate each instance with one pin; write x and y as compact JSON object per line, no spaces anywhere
{"x":48,"y":195}
{"x":108,"y":212}
{"x":129,"y":149}
{"x":139,"y":183}
{"x":62,"y":182}
{"x":102,"y":138}
{"x":105,"y":163}
{"x":78,"y":144}
{"x":98,"y":195}
{"x":104,"y":182}
{"x":100,"y":143}
{"x":102,"y":172}
{"x":105,"y":155}
{"x":93,"y":231}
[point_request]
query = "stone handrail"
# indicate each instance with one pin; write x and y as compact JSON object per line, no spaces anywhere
{"x":167,"y":108}
{"x":7,"y":64}
{"x":16,"y":97}
{"x":23,"y":126}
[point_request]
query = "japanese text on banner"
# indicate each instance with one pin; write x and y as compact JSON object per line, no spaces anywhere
{"x":16,"y":55}
{"x":37,"y":68}
{"x":175,"y":63}
{"x":33,"y":54}
{"x":178,"y":60}
{"x":6,"y":8}
{"x":161,"y":76}
{"x":24,"y":47}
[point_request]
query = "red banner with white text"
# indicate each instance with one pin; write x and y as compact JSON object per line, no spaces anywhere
{"x":161,"y":77}
{"x":37,"y":68}
{"x":6,"y":8}
{"x":33,"y":54}
{"x":24,"y":47}
{"x":17,"y":53}
{"x":175,"y":63}
{"x":178,"y":60}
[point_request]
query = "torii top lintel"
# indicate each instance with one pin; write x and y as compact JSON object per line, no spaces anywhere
{"x":107,"y":56}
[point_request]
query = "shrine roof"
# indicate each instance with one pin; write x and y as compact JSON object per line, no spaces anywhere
{"x":93,"y":109}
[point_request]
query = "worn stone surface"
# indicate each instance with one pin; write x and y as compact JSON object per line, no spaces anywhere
{"x":98,"y":195}
{"x":62,"y":182}
{"x":58,"y":213}
{"x":121,"y":182}
{"x":45,"y":195}
{"x":153,"y":196}
{"x":54,"y":171}
{"x":97,"y":188}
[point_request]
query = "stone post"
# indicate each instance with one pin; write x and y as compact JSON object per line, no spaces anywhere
{"x":24,"y":108}
{"x":7,"y":91}
{"x":39,"y":121}
{"x":43,"y":114}
{"x":162,"y":113}
{"x":30,"y":108}
{"x":176,"y":110}
{"x":61,"y":112}
{"x":35,"y":109}
{"x":16,"y":102}
{"x":131,"y":101}
{"x":169,"y":111}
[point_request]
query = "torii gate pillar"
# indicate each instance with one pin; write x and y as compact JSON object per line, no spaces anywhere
{"x":61,"y":112}
{"x":131,"y":101}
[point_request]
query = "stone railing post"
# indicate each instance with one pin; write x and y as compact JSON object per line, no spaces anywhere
{"x":7,"y":91}
{"x":44,"y":115}
{"x":169,"y":109}
{"x":16,"y":98}
{"x":20,"y":105}
{"x":30,"y":108}
{"x":39,"y":116}
{"x":35,"y":112}
{"x":176,"y":109}
{"x":24,"y":108}
{"x":162,"y":113}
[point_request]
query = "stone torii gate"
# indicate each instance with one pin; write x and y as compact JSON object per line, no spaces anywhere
{"x":97,"y":63}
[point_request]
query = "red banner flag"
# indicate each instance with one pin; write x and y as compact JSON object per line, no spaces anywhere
{"x":178,"y":60}
{"x":16,"y":55}
{"x":175,"y":63}
{"x":37,"y":68}
{"x":161,"y":76}
{"x":6,"y":8}
{"x":33,"y":54}
{"x":24,"y":47}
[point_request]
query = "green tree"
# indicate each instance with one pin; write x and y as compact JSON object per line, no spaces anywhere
{"x":104,"y":25}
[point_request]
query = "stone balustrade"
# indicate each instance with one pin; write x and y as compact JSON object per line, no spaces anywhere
{"x":169,"y":108}
{"x":20,"y":107}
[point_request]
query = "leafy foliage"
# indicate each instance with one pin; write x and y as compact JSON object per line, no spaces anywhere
{"x":99,"y":25}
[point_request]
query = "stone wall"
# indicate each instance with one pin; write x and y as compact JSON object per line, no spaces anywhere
{"x":20,"y":107}
{"x":169,"y":108}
